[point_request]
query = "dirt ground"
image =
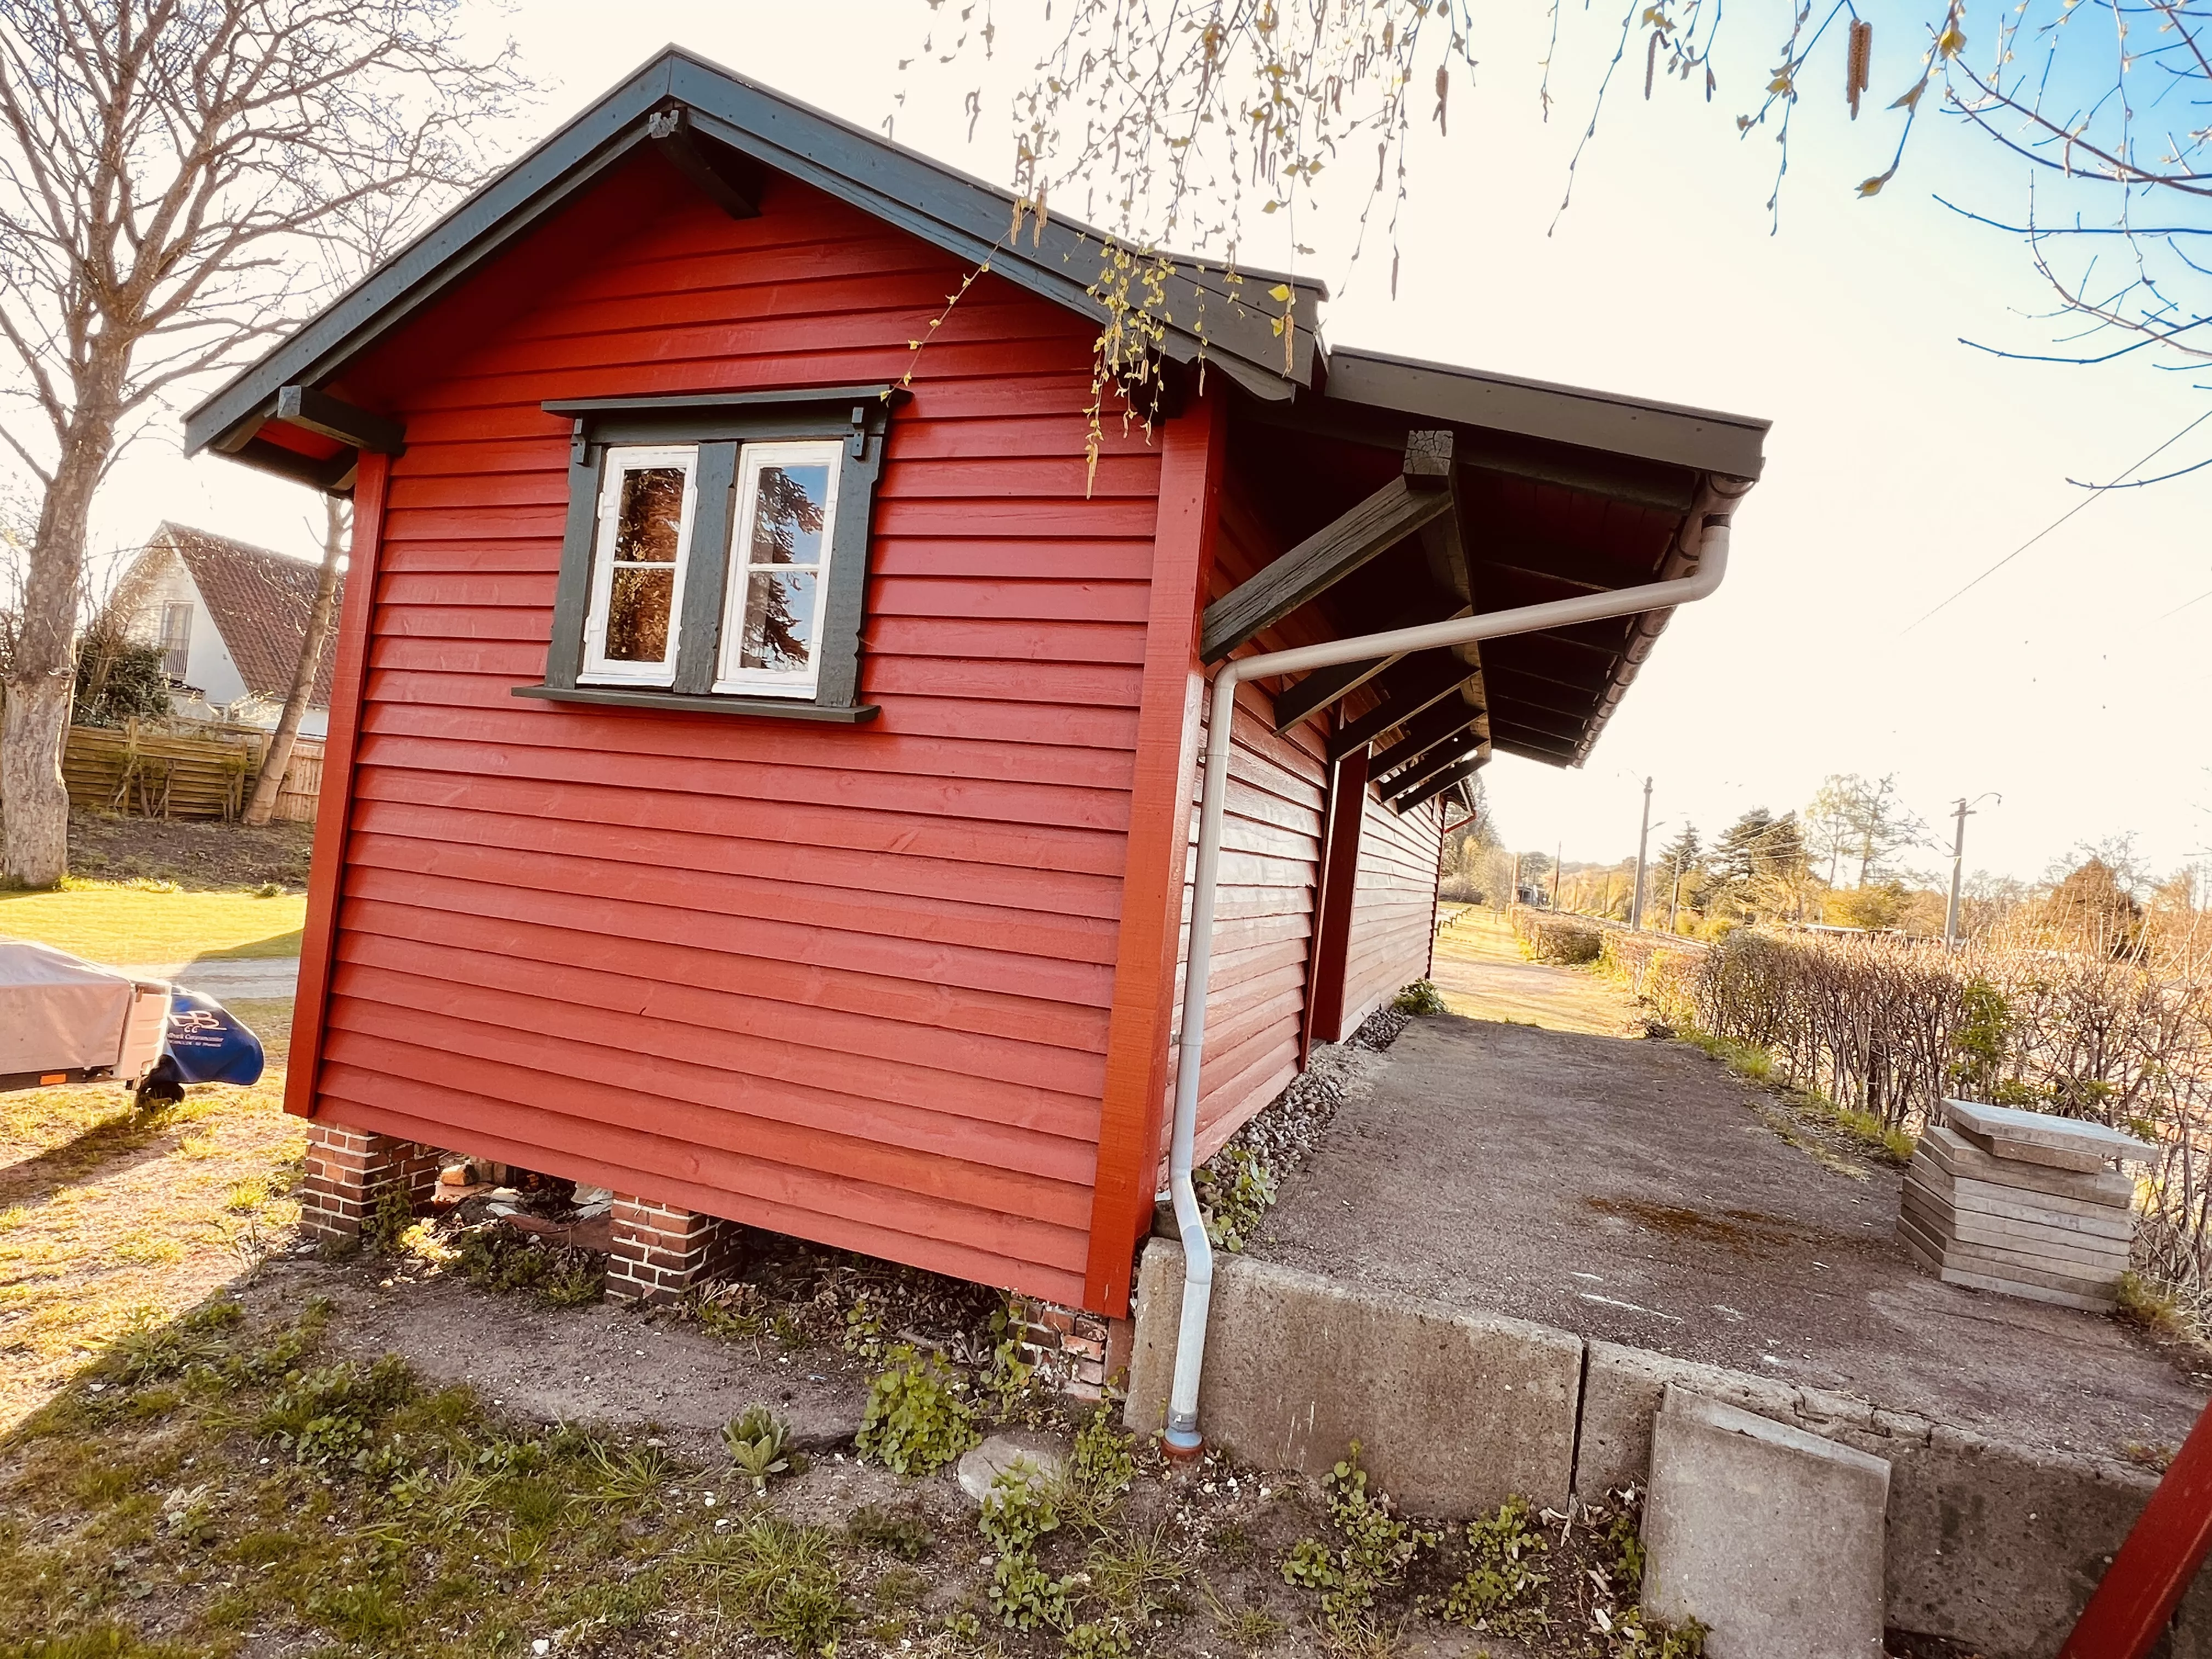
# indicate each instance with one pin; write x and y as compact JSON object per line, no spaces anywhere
{"x":1482,"y":974}
{"x":196,"y":856}
{"x":1639,"y":1191}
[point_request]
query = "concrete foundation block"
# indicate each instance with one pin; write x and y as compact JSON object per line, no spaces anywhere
{"x":1772,"y":1537}
{"x":1454,"y":1412}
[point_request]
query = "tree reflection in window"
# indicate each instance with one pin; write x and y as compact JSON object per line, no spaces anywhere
{"x":784,"y":567}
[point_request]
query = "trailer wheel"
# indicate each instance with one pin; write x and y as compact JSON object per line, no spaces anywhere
{"x":162,"y":1086}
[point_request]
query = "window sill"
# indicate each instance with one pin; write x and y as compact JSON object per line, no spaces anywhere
{"x":608,"y":697}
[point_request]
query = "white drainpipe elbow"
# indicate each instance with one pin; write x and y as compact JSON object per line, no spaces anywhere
{"x":1183,"y":1438}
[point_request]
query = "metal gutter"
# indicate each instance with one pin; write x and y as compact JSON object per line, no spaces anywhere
{"x":1708,"y":566}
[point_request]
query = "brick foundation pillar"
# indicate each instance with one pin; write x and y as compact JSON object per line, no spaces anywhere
{"x":351,"y":1170}
{"x":1076,"y":1352}
{"x":656,"y":1251}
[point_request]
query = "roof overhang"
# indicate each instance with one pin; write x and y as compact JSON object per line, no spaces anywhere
{"x":1545,"y":492}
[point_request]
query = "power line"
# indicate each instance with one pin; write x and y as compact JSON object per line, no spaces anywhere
{"x":2185,"y":604}
{"x":2096,"y":494}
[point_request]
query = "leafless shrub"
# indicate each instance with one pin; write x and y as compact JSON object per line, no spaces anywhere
{"x":1891,"y":1026}
{"x":1549,"y":936}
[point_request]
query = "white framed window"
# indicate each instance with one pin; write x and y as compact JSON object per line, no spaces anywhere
{"x":647,"y":499}
{"x":779,"y":568}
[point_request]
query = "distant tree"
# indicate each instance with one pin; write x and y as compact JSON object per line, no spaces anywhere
{"x":1828,"y":820}
{"x":1760,"y":868}
{"x":2092,"y":907}
{"x":1681,"y":865}
{"x":1862,"y":822}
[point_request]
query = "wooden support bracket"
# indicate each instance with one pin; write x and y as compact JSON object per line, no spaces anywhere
{"x":1418,"y":495}
{"x":314,"y":410}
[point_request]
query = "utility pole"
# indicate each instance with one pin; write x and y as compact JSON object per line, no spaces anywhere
{"x":1674,"y":904}
{"x":1556,"y":858}
{"x":1515,"y":899}
{"x":1964,"y":811}
{"x":1643,"y":842}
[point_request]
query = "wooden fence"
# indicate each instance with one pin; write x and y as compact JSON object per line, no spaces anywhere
{"x":168,"y":774}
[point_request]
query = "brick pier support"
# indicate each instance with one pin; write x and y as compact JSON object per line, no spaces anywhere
{"x":657,"y":1251}
{"x":1076,"y":1352}
{"x":351,"y":1170}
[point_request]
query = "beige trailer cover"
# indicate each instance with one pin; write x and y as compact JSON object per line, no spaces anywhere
{"x":59,"y":1012}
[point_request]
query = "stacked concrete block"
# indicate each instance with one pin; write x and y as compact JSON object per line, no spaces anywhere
{"x":657,"y":1251}
{"x":2021,"y":1203}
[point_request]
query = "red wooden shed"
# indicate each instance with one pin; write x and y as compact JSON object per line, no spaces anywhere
{"x":761,"y":756}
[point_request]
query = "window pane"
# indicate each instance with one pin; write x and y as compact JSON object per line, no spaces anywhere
{"x":779,"y":619}
{"x":652,"y":516}
{"x":638,"y":604}
{"x":787,"y":517}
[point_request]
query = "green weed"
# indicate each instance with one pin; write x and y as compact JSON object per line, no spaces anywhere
{"x":1421,"y":996}
{"x":1373,"y":1550}
{"x":1234,"y":1190}
{"x":756,"y":1444}
{"x":1018,"y":1511}
{"x":916,"y":1421}
{"x":1503,"y":1589}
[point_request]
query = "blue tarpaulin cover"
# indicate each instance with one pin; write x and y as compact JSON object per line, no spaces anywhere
{"x":208,"y":1042}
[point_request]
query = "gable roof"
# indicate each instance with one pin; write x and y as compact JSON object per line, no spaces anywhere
{"x":259,"y":601}
{"x":962,"y":215}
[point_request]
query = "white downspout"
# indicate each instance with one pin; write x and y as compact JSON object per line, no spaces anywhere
{"x":1183,"y":1438}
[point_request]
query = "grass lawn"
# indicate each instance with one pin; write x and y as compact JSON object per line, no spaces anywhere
{"x":118,"y":924}
{"x":111,"y":1217}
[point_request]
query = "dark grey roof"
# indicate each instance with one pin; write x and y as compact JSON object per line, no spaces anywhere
{"x":939,"y":204}
{"x":1702,"y":439}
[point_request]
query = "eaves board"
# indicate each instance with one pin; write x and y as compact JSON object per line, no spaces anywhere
{"x":963,"y":215}
{"x":1706,"y":440}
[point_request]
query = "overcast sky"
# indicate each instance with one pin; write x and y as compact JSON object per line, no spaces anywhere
{"x":1902,"y":462}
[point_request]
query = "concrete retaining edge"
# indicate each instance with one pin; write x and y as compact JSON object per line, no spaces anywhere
{"x":1992,"y":1545}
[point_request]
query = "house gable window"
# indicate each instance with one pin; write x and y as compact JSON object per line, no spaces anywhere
{"x":716,"y":553}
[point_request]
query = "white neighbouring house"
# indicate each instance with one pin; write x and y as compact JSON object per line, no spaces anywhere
{"x":230,"y":619}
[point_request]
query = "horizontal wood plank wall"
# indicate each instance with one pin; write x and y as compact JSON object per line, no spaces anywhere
{"x":1270,"y":870}
{"x":1393,"y":907}
{"x":848,"y":983}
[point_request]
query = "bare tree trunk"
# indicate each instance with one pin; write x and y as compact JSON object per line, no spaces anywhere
{"x":35,"y":849}
{"x":320,"y":616}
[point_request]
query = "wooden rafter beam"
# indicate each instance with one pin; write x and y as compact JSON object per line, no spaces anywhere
{"x":1414,"y":685}
{"x":1327,"y":685}
{"x":1414,"y":498}
{"x":731,"y":182}
{"x":1441,"y":759}
{"x":1424,"y":731}
{"x":313,"y":410}
{"x":1438,"y":784}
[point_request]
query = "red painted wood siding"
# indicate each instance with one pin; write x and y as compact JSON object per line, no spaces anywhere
{"x":851,"y":984}
{"x":1394,"y":906}
{"x":1270,"y":870}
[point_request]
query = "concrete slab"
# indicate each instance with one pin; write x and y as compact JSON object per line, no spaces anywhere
{"x":1633,"y":1192}
{"x":1770,"y":1536}
{"x":1455,"y":1412}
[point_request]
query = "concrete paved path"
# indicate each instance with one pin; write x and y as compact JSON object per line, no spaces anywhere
{"x":256,"y":976}
{"x":1638,"y":1192}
